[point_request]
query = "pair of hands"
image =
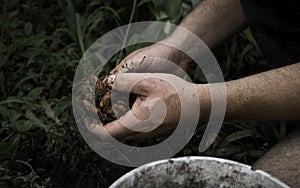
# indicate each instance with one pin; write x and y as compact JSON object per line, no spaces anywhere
{"x":157,"y":108}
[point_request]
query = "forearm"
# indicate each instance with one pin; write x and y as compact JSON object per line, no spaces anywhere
{"x":270,"y":95}
{"x":214,"y":21}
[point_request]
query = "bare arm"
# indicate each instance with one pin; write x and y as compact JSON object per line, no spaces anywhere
{"x":215,"y":20}
{"x":271,"y":95}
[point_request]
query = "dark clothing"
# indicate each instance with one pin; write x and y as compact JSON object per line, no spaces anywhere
{"x":276,"y":27}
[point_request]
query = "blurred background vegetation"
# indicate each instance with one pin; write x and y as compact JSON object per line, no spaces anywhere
{"x":41,"y":44}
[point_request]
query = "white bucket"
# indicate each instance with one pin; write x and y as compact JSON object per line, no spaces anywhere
{"x":207,"y":172}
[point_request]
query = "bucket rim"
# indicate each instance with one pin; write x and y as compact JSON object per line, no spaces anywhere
{"x":246,"y":168}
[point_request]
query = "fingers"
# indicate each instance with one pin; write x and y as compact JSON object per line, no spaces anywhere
{"x":115,"y":129}
{"x":89,"y":106}
{"x":130,"y":83}
{"x":144,"y":117}
{"x":145,"y":63}
{"x":118,"y":131}
{"x":131,"y":63}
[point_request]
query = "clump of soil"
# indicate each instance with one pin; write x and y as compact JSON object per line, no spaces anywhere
{"x":103,"y":102}
{"x":107,"y":111}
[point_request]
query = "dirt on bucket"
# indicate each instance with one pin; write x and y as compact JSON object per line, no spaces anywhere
{"x":195,"y":172}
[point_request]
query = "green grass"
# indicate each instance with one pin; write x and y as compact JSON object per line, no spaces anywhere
{"x":40,"y":47}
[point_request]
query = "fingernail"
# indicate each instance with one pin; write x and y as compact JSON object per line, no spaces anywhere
{"x":111,"y":79}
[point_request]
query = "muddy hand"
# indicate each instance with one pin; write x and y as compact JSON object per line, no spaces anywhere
{"x":157,"y":108}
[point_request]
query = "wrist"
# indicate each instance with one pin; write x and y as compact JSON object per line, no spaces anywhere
{"x":204,"y":97}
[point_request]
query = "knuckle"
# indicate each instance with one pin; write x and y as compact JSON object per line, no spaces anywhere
{"x":145,"y":83}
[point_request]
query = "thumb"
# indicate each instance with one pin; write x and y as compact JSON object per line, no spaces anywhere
{"x":129,"y":83}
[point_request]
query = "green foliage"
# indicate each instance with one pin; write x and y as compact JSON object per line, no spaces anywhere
{"x":40,"y":47}
{"x":240,"y":141}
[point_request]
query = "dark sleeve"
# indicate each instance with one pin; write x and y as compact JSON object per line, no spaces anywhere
{"x":276,"y":27}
